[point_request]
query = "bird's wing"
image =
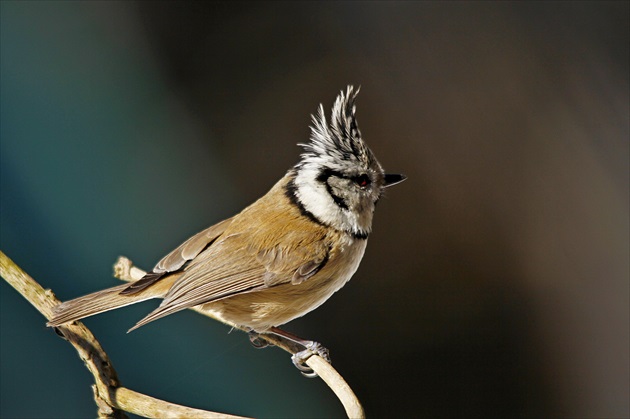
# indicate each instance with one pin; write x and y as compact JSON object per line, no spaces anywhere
{"x":176,"y":259}
{"x":231,"y":266}
{"x":191,"y":247}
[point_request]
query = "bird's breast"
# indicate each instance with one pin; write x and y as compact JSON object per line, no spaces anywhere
{"x":279,"y":304}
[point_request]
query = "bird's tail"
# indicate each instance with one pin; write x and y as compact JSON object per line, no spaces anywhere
{"x":105,"y":300}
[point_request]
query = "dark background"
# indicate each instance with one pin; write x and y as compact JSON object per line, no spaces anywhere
{"x":496,"y":282}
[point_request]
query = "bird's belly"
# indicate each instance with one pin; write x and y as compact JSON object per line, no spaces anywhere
{"x":282,"y":303}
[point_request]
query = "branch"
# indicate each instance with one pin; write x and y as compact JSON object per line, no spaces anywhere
{"x":111,"y":398}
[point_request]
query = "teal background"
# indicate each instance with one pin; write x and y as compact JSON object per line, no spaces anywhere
{"x":496,"y":280}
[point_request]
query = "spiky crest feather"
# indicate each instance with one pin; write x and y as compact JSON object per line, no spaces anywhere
{"x":339,"y":141}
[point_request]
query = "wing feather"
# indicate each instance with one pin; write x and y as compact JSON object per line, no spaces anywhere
{"x":191,"y":248}
{"x":228,"y":268}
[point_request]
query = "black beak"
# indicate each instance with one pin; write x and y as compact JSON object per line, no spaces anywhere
{"x":391,"y":180}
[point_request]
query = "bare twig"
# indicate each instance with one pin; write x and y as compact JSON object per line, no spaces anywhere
{"x":111,"y":398}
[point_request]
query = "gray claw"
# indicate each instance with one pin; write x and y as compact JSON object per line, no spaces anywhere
{"x":299,"y":358}
{"x":257,"y":341}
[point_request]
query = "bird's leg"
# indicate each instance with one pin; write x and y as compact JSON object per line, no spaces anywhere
{"x":299,"y":358}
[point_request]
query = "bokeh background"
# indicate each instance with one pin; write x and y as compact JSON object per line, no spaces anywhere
{"x":496,"y":282}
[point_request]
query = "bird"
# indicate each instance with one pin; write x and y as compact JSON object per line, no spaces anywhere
{"x":279,"y":258}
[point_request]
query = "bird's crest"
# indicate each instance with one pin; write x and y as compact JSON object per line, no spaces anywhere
{"x":340,"y":140}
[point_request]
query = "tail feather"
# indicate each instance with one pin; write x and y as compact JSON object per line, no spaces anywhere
{"x":95,"y":303}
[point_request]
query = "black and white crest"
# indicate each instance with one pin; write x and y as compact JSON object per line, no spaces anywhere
{"x":339,"y":141}
{"x":338,"y":179}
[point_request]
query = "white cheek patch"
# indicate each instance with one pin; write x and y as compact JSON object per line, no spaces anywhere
{"x":316,"y":200}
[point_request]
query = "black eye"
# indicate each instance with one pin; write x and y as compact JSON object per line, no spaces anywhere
{"x":362,"y":180}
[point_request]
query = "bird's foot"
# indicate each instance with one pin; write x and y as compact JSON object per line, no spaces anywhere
{"x":312,"y":348}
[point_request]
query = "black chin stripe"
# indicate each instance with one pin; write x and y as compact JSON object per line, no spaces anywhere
{"x":290,"y":190}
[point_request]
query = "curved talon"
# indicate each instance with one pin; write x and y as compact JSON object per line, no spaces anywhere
{"x":309,"y":374}
{"x":257,"y":341}
{"x":299,"y":358}
{"x":60,"y":333}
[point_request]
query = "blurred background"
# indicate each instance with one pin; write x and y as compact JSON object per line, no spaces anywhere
{"x":496,"y":281}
